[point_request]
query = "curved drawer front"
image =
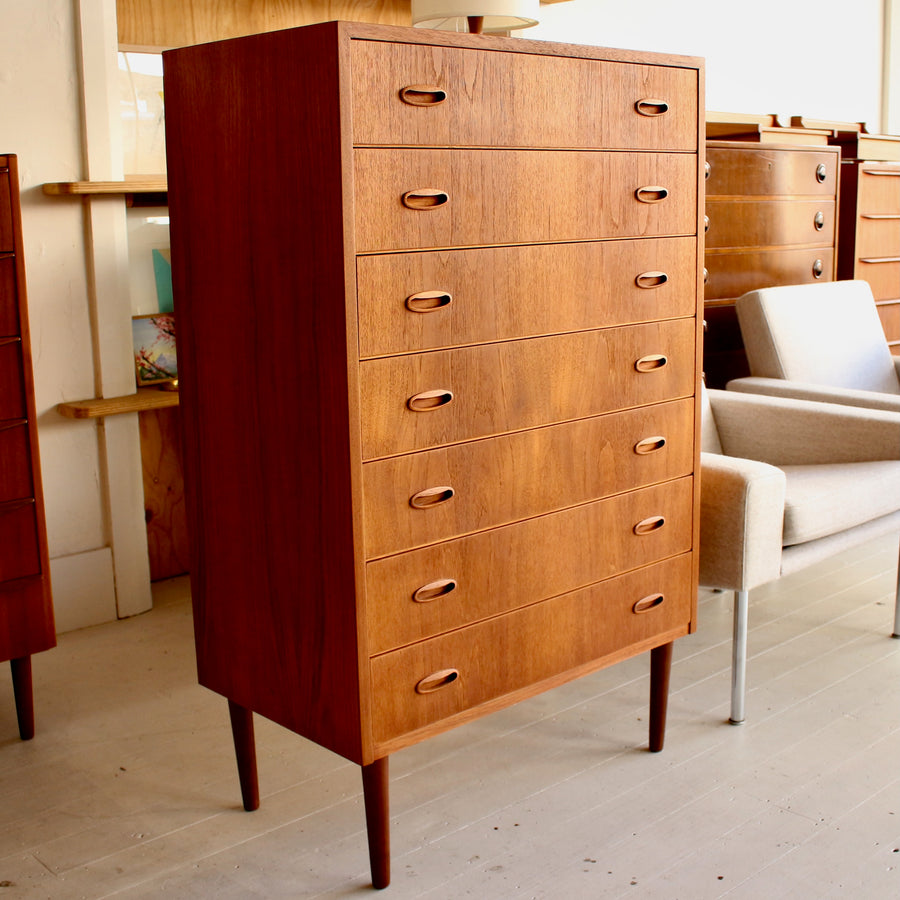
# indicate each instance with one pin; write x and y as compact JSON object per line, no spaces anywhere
{"x":9,"y":304}
{"x":734,"y":273}
{"x":447,"y":396}
{"x":422,"y":301}
{"x":438,"y":678}
{"x":756,"y":223}
{"x":409,"y":199}
{"x":424,"y":592}
{"x":759,"y":170}
{"x":426,"y":95}
{"x":421,"y":498}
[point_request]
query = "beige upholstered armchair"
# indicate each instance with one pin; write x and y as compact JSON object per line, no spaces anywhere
{"x":785,"y":483}
{"x":820,"y":341}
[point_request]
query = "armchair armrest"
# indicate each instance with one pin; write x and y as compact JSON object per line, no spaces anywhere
{"x":803,"y":390}
{"x":741,"y":516}
{"x":787,"y":432}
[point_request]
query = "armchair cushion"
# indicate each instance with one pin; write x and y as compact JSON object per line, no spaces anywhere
{"x":804,"y":390}
{"x":821,"y":500}
{"x":825,"y":333}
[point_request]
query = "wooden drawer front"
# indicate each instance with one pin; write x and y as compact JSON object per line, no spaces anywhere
{"x":471,"y":578}
{"x":734,"y":273}
{"x":756,"y":223}
{"x":526,"y":647}
{"x":762,"y":171}
{"x":877,"y":236}
{"x":12,"y":398}
{"x":18,"y":537}
{"x":515,"y":100}
{"x":879,"y":189}
{"x":518,"y":196}
{"x":425,"y":497}
{"x":883,"y":276}
{"x":9,"y":304}
{"x":7,"y":244}
{"x":497,"y":293}
{"x":889,"y":313}
{"x":15,"y":463}
{"x":496,"y":388}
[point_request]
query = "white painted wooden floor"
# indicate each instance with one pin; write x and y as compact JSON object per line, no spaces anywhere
{"x":129,"y":789}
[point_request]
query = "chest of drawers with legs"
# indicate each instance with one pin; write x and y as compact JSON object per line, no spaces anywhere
{"x":437,"y":305}
{"x":771,"y":216}
{"x":26,"y":609}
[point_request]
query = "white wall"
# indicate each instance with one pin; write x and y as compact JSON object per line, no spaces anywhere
{"x":785,"y":56}
{"x":817,"y":58}
{"x":40,"y":120}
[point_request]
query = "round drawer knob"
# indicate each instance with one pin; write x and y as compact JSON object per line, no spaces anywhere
{"x":706,"y":170}
{"x":819,"y":220}
{"x":706,"y":224}
{"x":818,"y":268}
{"x":821,"y":173}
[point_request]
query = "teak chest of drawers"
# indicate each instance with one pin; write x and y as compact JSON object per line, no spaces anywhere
{"x":26,"y":609}
{"x":437,"y":305}
{"x":771,"y":218}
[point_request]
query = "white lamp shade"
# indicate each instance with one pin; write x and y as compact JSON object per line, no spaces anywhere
{"x":451,"y":15}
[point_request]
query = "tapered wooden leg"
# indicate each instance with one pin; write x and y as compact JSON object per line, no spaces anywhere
{"x":378,"y":824}
{"x":245,"y":750}
{"x":24,"y":696}
{"x":660,"y":668}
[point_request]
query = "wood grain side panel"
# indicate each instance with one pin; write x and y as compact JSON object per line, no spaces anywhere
{"x":502,"y":479}
{"x":9,"y":311}
{"x":15,"y":463}
{"x":498,"y":388}
{"x":525,"y":647}
{"x":737,"y":170}
{"x":7,"y":238}
{"x":519,"y":196}
{"x":268,"y":448}
{"x":769,"y":223}
{"x":491,"y":99}
{"x":506,"y":568}
{"x":501,"y":293}
{"x":12,"y":382}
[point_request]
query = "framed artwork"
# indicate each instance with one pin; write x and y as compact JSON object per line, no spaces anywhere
{"x":153,"y":339}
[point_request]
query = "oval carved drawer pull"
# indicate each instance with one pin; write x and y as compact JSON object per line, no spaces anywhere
{"x":818,"y":268}
{"x":821,"y":173}
{"x":437,"y":680}
{"x":423,"y":95}
{"x":649,"y":280}
{"x":651,"y":362}
{"x":649,"y":525}
{"x":650,"y":107}
{"x":650,"y":445}
{"x":819,"y":220}
{"x":425,"y":198}
{"x":433,"y":590}
{"x":428,"y":301}
{"x":431,"y":497}
{"x":429,"y":400}
{"x":645,"y":604}
{"x":651,"y":193}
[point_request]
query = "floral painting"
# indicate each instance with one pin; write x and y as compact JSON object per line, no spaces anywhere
{"x":154,"y":348}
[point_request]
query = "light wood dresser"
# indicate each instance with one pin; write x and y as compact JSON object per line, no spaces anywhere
{"x":437,"y":299}
{"x":26,"y":609}
{"x":771,"y":218}
{"x":869,"y":247}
